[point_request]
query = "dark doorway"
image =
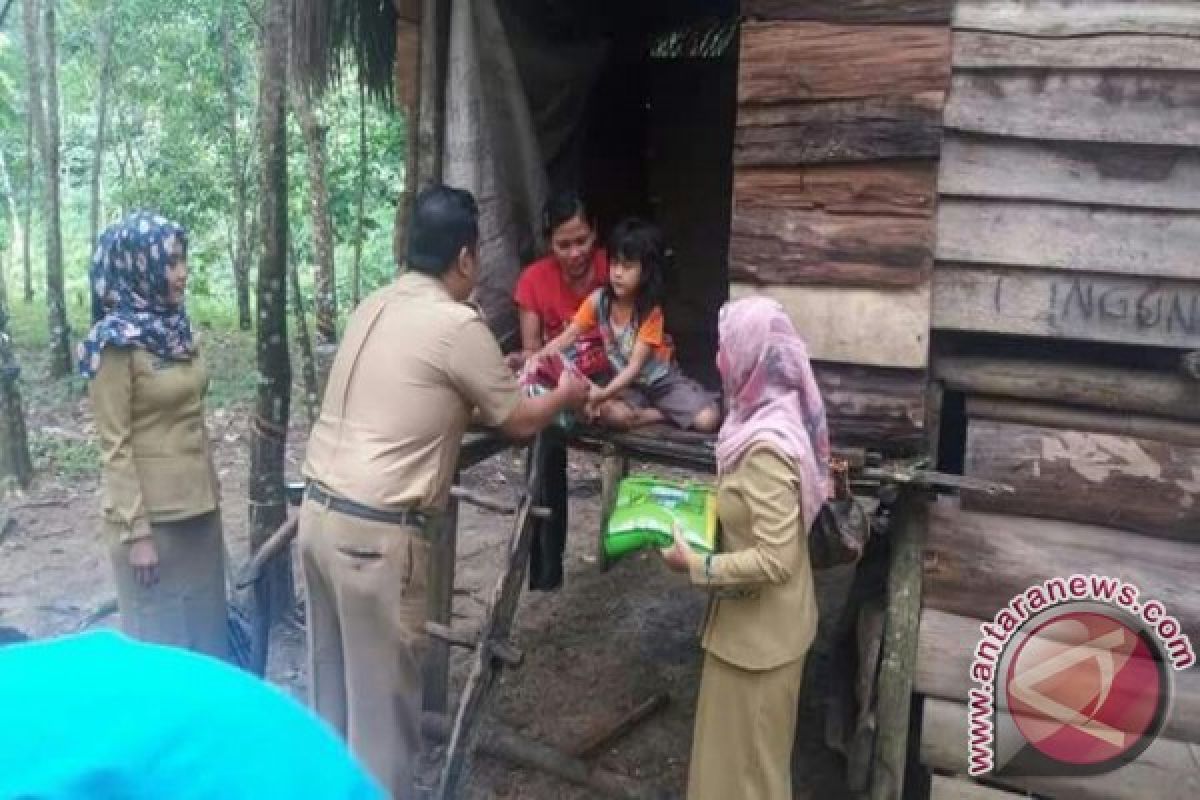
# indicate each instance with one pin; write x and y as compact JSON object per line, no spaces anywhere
{"x":653,"y":137}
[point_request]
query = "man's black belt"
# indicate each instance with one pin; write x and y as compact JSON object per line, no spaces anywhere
{"x":407,"y":518}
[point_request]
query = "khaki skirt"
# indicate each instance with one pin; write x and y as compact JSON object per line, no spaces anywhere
{"x":745,"y":728}
{"x":187,"y":606}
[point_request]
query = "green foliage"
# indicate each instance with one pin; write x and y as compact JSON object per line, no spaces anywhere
{"x":168,"y":145}
{"x":69,"y":457}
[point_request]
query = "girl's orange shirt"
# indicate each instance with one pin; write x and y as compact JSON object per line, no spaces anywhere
{"x":651,"y":331}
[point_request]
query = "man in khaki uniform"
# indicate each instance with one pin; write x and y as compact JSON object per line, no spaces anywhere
{"x":414,"y":363}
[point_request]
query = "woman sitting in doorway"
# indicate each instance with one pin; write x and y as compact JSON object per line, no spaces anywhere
{"x":647,"y":386}
{"x":548,"y":294}
{"x":773,"y":477}
{"x":160,"y":495}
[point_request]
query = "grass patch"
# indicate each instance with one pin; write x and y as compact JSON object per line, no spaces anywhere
{"x":65,"y":456}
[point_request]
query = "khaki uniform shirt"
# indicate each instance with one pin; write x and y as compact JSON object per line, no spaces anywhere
{"x":411,"y":367}
{"x":157,"y":465}
{"x":764,"y":610}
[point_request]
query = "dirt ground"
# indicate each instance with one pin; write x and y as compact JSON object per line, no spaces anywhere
{"x":597,"y":648}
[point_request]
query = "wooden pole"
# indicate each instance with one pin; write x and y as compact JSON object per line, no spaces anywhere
{"x":899,"y":649}
{"x":503,"y":742}
{"x":612,"y":470}
{"x":441,"y":607}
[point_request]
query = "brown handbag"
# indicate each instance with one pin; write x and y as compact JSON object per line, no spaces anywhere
{"x":840,"y":532}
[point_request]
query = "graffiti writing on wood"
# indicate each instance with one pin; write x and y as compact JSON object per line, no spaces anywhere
{"x":1151,"y":308}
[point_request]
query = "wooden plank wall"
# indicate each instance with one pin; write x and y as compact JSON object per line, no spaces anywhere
{"x":1068,"y":212}
{"x":835,"y":168}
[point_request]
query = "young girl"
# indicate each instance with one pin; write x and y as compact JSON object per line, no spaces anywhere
{"x":647,"y":386}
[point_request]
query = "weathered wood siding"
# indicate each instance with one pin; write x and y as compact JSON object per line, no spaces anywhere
{"x":839,"y":129}
{"x":1070,"y":174}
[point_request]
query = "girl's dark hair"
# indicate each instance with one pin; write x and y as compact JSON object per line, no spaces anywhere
{"x":635,"y":239}
{"x":562,"y":206}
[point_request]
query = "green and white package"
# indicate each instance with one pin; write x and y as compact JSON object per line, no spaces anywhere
{"x":648,"y":507}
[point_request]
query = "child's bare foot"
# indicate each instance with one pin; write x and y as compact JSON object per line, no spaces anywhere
{"x":707,"y":420}
{"x":616,"y":414}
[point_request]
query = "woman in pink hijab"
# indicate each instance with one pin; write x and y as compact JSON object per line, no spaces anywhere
{"x":773,"y":477}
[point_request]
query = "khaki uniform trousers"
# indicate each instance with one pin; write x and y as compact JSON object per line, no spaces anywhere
{"x":745,"y":728}
{"x":366,"y":636}
{"x":186,"y":607}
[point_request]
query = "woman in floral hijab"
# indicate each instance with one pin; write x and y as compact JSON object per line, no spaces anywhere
{"x":773,"y":477}
{"x":147,"y":383}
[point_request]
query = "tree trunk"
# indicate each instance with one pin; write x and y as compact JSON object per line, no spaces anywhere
{"x":16,"y":469}
{"x":14,"y":224}
{"x":46,"y":126}
{"x":267,"y":500}
{"x":325,"y":283}
{"x":107,"y":35}
{"x":307,"y":363}
{"x":29,"y":13}
{"x":356,"y":281}
{"x":241,"y":260}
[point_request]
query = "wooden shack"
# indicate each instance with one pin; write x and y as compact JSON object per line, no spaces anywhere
{"x":983,"y":215}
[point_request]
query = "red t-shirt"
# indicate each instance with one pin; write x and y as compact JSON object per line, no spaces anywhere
{"x":543,"y":290}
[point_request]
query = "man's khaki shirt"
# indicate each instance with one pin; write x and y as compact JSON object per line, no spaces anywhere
{"x":412,"y":366}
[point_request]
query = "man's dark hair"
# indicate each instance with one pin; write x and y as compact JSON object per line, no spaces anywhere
{"x":562,"y":206}
{"x":444,"y":221}
{"x":635,"y":239}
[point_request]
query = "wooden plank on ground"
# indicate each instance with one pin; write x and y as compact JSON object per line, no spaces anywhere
{"x":947,"y":646}
{"x":1166,"y":771}
{"x":1133,"y":107}
{"x":870,"y":129}
{"x":1071,"y":172}
{"x":1075,"y":306}
{"x":946,"y":788}
{"x":975,"y":50}
{"x":1078,"y":17}
{"x":975,"y":563}
{"x":1142,"y":485}
{"x":869,"y":327}
{"x":1134,"y":242}
{"x":873,"y":407}
{"x":911,"y":12}
{"x":1090,"y":385}
{"x":899,"y":188}
{"x":795,"y":248}
{"x":789,"y":61}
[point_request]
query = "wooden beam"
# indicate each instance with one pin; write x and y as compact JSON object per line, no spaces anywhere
{"x":899,"y":652}
{"x":1142,"y":485}
{"x":881,"y":409}
{"x":947,"y":648}
{"x":975,"y":563}
{"x":974,"y":50}
{"x":897,"y":189}
{"x":1056,"y":416}
{"x":1071,"y":172}
{"x":788,"y":61}
{"x":782,"y":246}
{"x":869,"y":129}
{"x":1058,"y":305}
{"x":1137,"y":108}
{"x":1103,"y":387}
{"x":1078,"y":17}
{"x":1166,"y":771}
{"x":897,"y":334}
{"x":440,"y":611}
{"x":911,"y":12}
{"x":1123,"y":242}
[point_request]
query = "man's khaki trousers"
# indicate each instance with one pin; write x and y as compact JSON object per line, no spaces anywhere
{"x":366,"y":636}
